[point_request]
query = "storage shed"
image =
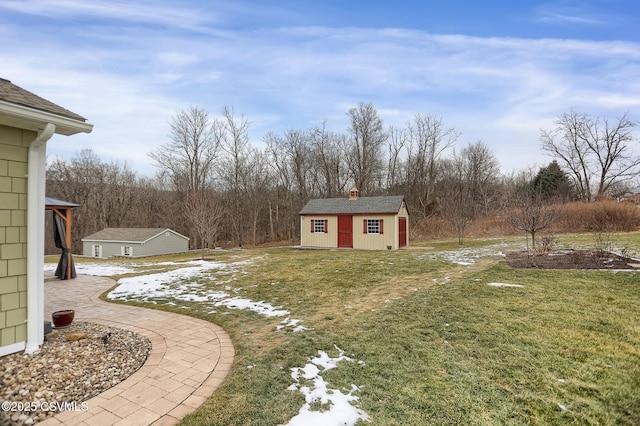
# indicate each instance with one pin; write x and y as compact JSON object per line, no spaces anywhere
{"x":134,"y":242}
{"x":369,"y":223}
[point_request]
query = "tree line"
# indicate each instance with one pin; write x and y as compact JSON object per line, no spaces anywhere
{"x":217,"y":188}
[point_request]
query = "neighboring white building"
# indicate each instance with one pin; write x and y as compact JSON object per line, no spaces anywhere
{"x":134,"y":242}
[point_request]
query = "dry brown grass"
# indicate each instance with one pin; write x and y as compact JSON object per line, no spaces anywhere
{"x":601,"y":216}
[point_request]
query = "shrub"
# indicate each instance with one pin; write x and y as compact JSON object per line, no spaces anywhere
{"x":601,"y":216}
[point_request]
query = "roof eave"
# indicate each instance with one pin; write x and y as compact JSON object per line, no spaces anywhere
{"x":91,"y":240}
{"x":347,"y":213}
{"x":22,"y":117}
{"x":169,"y":230}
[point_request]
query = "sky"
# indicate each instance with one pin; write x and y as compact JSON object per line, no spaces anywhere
{"x":496,"y":71}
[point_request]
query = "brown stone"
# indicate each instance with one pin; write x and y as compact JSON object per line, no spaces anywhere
{"x":74,"y":337}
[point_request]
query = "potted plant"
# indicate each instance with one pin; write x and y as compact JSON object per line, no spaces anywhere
{"x":62,"y":318}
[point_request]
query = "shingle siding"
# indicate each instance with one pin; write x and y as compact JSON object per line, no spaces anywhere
{"x":13,"y":244}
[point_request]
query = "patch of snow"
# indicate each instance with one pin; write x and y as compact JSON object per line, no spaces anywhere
{"x":175,"y":284}
{"x":262,"y":308}
{"x":469,"y":256}
{"x":94,"y":269}
{"x":340,"y":411}
{"x":504,"y":285}
{"x":152,"y":284}
{"x":295,"y":323}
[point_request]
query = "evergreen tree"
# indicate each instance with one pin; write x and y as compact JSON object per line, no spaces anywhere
{"x":552,"y":182}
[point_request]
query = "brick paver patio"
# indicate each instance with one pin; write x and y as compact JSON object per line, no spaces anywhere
{"x":189,"y":360}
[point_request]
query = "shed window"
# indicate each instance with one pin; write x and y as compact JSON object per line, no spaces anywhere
{"x":373,"y":226}
{"x":319,"y":226}
{"x":127,"y":251}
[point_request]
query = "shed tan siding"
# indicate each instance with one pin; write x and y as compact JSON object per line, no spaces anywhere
{"x":14,"y":147}
{"x":375,"y":241}
{"x":316,"y":239}
{"x":389,"y":237}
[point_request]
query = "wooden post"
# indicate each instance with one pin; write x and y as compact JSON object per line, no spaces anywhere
{"x":68,"y":235}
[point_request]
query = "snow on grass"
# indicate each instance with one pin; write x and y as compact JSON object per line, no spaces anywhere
{"x":337,"y":408}
{"x":94,"y":269}
{"x":181,"y":284}
{"x":470,"y":255}
{"x":293,"y":323}
{"x":261,"y":307}
{"x":504,"y":285}
{"x":158,"y":284}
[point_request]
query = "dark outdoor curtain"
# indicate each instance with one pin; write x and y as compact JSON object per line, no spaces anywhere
{"x":60,"y":236}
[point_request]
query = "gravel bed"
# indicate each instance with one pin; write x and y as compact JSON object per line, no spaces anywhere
{"x":67,"y":372}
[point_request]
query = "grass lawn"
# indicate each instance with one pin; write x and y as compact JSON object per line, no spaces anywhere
{"x":431,"y":341}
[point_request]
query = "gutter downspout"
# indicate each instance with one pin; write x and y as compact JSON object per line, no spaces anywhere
{"x":35,"y":238}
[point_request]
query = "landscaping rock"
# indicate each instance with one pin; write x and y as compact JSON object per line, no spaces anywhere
{"x":69,"y":371}
{"x":74,"y":337}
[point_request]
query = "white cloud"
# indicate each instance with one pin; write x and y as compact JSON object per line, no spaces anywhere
{"x":138,"y":11}
{"x":562,"y":14}
{"x":128,"y":82}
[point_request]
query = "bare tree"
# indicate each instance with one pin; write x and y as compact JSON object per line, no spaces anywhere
{"x":204,"y":214}
{"x":468,"y":180}
{"x":428,"y":140}
{"x":533,"y":215}
{"x":297,"y":150}
{"x":329,"y":158}
{"x":233,"y":134}
{"x":106,"y":192}
{"x":256,"y":182}
{"x":591,"y":148}
{"x":456,"y":196}
{"x":396,"y":144}
{"x":365,"y":149}
{"x":483,"y":173}
{"x":193,"y":148}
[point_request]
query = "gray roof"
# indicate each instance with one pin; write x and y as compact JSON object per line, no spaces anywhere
{"x":128,"y":234}
{"x":9,"y":92}
{"x":363,"y":205}
{"x":48,"y":201}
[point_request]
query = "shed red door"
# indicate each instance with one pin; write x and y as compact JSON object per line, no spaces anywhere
{"x":402,"y":232}
{"x":345,"y":231}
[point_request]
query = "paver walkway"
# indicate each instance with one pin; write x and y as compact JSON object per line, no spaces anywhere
{"x":190,"y":358}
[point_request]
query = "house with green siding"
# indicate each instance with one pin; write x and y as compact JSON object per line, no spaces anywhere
{"x":134,"y":242}
{"x":27,"y":123}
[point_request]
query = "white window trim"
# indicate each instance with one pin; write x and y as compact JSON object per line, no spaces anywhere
{"x":371,"y":226}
